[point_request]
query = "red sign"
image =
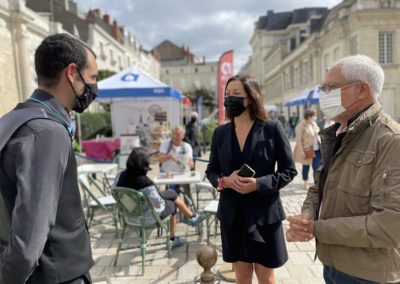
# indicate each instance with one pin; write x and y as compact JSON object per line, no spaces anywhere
{"x":225,"y":71}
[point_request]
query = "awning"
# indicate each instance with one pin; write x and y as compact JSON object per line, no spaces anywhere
{"x":309,"y":97}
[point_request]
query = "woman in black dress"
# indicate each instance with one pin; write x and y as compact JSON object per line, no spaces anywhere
{"x":250,"y":210}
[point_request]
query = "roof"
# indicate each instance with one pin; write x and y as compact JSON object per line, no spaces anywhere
{"x":280,"y":21}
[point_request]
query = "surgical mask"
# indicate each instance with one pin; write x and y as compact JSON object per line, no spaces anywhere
{"x":331,"y":103}
{"x":314,"y":119}
{"x":234,"y":105}
{"x":83,"y":101}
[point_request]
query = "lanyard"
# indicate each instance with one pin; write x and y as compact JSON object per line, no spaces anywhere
{"x":63,"y":122}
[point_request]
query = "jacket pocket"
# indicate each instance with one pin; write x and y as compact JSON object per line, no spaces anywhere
{"x":357,"y":172}
{"x":354,"y":188}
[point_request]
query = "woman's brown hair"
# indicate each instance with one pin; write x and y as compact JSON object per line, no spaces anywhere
{"x":253,"y":92}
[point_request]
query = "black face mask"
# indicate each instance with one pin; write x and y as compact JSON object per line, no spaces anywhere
{"x":83,"y":101}
{"x":193,"y":119}
{"x":234,"y":105}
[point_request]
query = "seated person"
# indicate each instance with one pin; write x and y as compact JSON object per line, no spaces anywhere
{"x":174,"y":151}
{"x":165,"y":203}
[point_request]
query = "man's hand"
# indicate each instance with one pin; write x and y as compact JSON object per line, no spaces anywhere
{"x":301,"y":228}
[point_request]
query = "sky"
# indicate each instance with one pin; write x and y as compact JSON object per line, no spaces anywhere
{"x":208,"y":27}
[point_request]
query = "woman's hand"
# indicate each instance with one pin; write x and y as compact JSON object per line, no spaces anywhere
{"x":240,"y":184}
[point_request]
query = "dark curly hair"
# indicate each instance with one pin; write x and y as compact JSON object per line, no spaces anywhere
{"x":138,"y":160}
{"x":253,"y":92}
{"x":55,"y":53}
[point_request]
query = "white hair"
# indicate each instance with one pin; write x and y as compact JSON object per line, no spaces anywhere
{"x":363,"y":68}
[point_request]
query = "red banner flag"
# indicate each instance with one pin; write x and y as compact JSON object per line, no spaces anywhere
{"x":225,"y":71}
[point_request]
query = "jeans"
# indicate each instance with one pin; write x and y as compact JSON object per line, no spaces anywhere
{"x":334,"y":276}
{"x":292,"y":133}
{"x":315,"y":164}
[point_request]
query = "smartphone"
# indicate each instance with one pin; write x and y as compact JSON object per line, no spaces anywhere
{"x":246,"y":171}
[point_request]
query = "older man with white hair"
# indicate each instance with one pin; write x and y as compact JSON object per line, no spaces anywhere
{"x":353,"y":210}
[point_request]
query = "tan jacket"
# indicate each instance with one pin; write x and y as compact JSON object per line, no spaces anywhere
{"x":304,"y":139}
{"x":358,"y":231}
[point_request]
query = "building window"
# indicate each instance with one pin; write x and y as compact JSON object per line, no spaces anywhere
{"x":129,"y":61}
{"x":102,"y":54}
{"x":166,"y":71}
{"x":196,"y":70}
{"x":183,"y":83}
{"x":385,"y":47}
{"x":112,"y":60}
{"x":353,"y":45}
{"x":336,"y":54}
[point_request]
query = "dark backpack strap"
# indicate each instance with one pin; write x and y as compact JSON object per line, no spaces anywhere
{"x":9,"y":124}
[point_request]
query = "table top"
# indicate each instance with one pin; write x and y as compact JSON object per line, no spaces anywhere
{"x":211,"y":207}
{"x":178,"y":178}
{"x":95,"y":168}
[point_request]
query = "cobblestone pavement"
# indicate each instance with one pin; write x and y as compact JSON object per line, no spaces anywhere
{"x":182,"y":266}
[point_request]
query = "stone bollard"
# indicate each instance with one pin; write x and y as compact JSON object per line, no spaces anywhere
{"x":207,"y":257}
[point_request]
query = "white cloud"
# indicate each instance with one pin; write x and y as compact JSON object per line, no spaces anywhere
{"x":208,"y":27}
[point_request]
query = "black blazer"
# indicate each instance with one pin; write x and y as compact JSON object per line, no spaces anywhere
{"x":269,"y":147}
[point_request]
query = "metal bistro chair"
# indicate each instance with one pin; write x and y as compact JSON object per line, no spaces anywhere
{"x":131,"y":215}
{"x":93,"y":202}
{"x":204,"y":185}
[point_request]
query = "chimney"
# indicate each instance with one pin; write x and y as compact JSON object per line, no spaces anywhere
{"x":91,"y":16}
{"x":97,"y":13}
{"x":116,"y":32}
{"x":106,"y":19}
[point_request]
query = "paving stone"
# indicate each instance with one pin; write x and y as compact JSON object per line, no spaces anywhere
{"x":182,"y":267}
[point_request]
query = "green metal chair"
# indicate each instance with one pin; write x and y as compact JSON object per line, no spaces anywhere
{"x":131,"y":215}
{"x":94,"y":202}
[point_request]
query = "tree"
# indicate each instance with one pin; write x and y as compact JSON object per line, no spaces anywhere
{"x":208,"y":97}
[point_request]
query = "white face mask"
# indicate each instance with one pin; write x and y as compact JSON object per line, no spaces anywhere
{"x":331,"y":103}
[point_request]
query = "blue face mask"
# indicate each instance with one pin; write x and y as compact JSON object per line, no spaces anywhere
{"x":314,"y":119}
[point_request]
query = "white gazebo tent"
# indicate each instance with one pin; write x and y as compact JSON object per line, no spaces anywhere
{"x":136,"y":97}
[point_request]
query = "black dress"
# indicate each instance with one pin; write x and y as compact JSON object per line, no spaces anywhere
{"x":237,"y":244}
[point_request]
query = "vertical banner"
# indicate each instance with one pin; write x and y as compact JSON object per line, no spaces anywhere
{"x":200,"y":107}
{"x":225,"y":71}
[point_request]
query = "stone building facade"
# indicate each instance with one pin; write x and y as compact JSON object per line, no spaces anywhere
{"x":294,"y":56}
{"x":182,"y":70}
{"x":25,"y":23}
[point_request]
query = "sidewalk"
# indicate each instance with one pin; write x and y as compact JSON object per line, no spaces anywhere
{"x":182,"y":267}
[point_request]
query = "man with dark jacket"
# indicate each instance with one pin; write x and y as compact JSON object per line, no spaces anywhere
{"x":354,"y":208}
{"x":47,"y":241}
{"x":192,"y":135}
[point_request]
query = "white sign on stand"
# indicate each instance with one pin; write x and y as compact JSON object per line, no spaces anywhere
{"x":128,"y":142}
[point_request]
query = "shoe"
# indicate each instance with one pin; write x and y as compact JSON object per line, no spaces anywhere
{"x":177,"y":242}
{"x":197,"y":219}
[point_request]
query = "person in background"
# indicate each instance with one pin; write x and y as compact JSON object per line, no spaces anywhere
{"x":174,"y":151}
{"x":192,"y":136}
{"x":353,"y":210}
{"x":307,"y":138}
{"x":250,"y":210}
{"x":282,"y":119}
{"x":165,"y":202}
{"x":48,"y":241}
{"x":293,"y":121}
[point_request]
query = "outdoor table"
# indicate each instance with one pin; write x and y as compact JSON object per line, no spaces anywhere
{"x":180,"y":179}
{"x":99,"y":168}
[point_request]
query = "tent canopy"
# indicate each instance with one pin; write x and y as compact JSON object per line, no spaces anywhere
{"x":134,"y":83}
{"x":309,"y":96}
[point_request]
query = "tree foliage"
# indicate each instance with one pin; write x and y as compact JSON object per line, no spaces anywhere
{"x":208,"y":97}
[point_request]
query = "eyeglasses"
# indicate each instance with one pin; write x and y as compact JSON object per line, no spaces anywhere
{"x":329,"y":87}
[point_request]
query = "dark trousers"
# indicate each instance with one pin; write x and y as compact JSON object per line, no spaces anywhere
{"x":84,"y":279}
{"x":315,"y":164}
{"x":334,"y":276}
